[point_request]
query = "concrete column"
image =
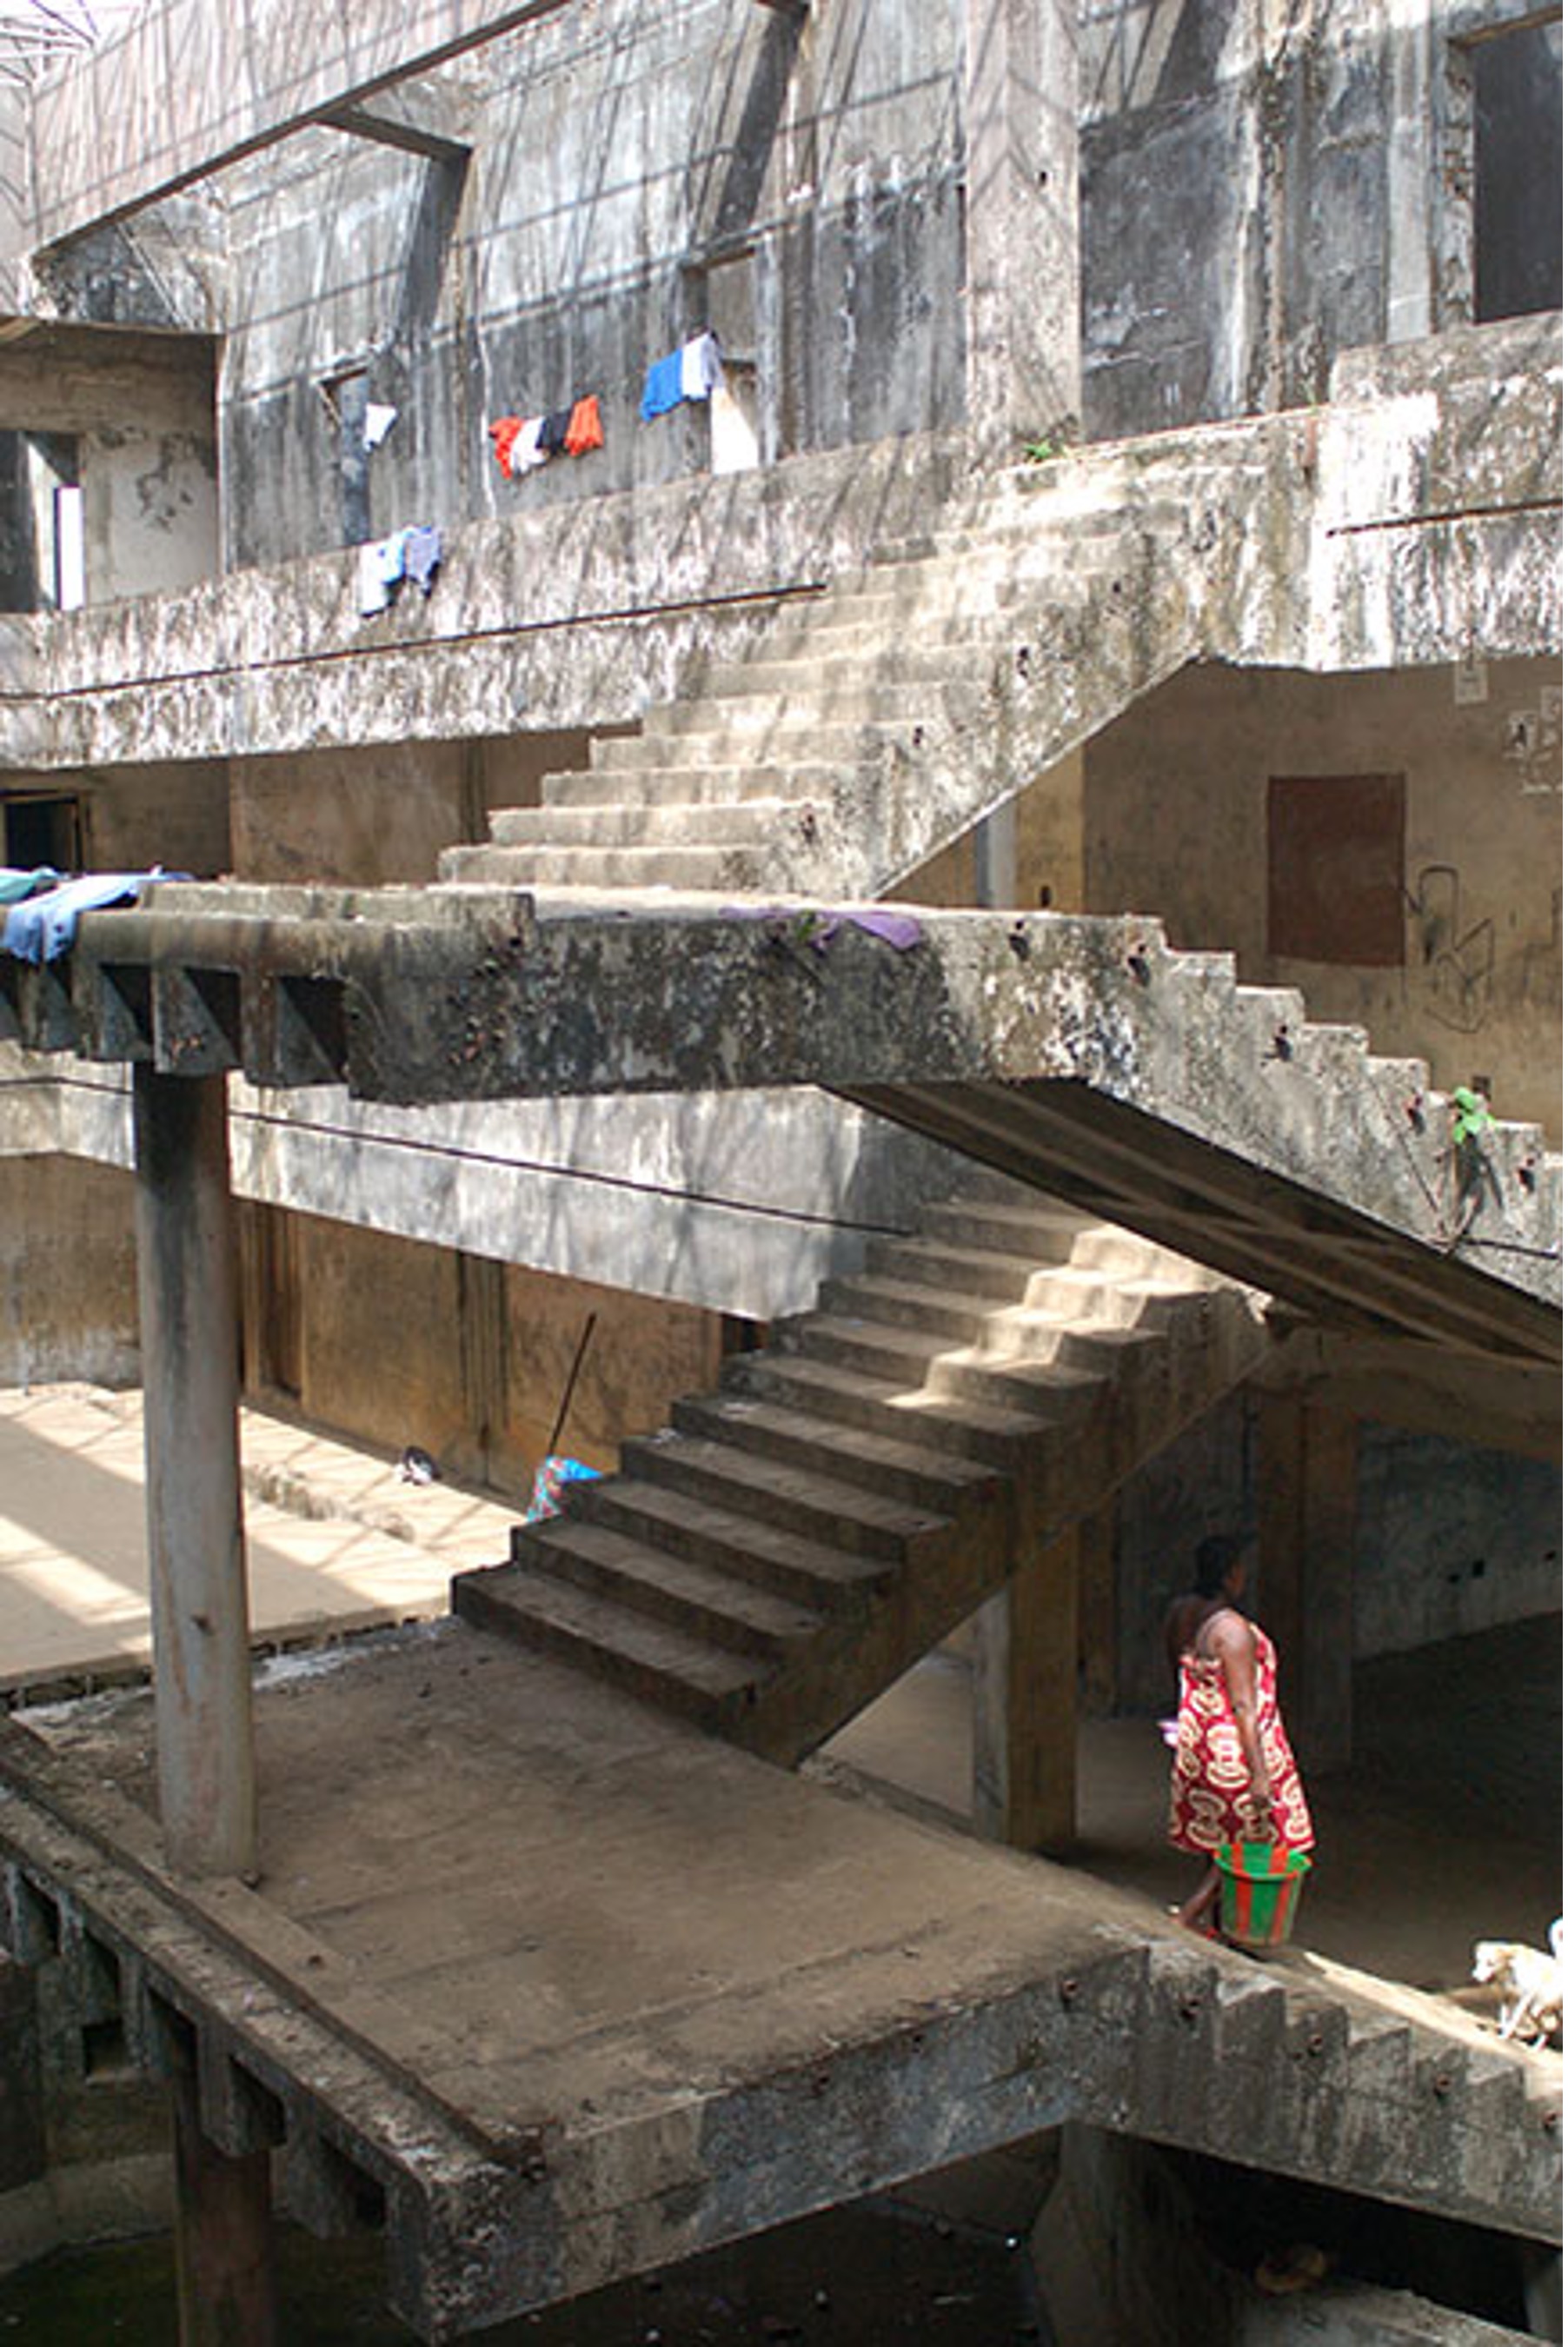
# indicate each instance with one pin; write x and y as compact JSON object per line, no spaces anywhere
{"x":1307,"y":1578}
{"x":996,"y":857}
{"x":1099,"y":1614}
{"x":222,"y":2236}
{"x":1020,"y":118}
{"x":1026,"y":1704}
{"x":190,"y":1346}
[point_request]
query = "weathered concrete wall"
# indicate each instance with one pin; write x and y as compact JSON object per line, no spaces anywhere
{"x":338,"y":815}
{"x":1263,"y":189}
{"x":67,"y":1273}
{"x":733,"y":1205}
{"x":382,"y":814}
{"x":820,"y":164}
{"x":401,"y":1343}
{"x":142,"y":411}
{"x":1450,"y":1538}
{"x":1178,"y":824}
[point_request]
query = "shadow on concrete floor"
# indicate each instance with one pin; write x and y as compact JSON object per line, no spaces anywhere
{"x":1448,"y":1830}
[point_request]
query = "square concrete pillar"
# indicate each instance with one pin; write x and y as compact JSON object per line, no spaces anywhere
{"x":1307,"y":1569}
{"x":1026,"y":1703}
{"x":186,"y":1278}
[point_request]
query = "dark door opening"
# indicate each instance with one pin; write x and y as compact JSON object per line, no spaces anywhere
{"x":45,"y":828}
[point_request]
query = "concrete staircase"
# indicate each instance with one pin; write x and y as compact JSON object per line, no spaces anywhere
{"x":774,"y":1559}
{"x":867,"y":730}
{"x":1309,"y":2068}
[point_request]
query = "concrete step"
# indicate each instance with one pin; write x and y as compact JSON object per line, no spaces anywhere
{"x":818,"y":668}
{"x":917,"y":1360}
{"x":1041,"y":1234}
{"x":897,"y":1470}
{"x":707,"y":1605}
{"x":973,"y":1430}
{"x":705,"y":740}
{"x":647,"y":1658}
{"x":973,"y":1271}
{"x":807,"y":1573}
{"x":631,"y":783}
{"x":652,"y":823}
{"x":607,"y":867}
{"x":824,"y":1507}
{"x":750,"y":713}
{"x":947,"y":1314}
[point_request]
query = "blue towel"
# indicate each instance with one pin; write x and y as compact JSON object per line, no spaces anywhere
{"x":14,"y":885}
{"x":661,"y":391}
{"x":44,"y":927}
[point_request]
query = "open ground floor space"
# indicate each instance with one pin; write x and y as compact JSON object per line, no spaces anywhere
{"x":541,"y":1996}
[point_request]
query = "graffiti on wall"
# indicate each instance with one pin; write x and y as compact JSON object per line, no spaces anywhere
{"x":1533,"y":744}
{"x":1457,"y":957}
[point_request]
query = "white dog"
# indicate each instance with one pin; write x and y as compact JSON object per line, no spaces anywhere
{"x":1528,"y":1982}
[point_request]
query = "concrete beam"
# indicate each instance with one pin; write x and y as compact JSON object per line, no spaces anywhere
{"x":186,"y":1252}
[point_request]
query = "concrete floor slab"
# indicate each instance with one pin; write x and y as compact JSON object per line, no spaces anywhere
{"x":336,"y":1540}
{"x":582,"y":1990}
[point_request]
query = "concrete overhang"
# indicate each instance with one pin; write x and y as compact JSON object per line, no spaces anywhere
{"x":190,"y":87}
{"x":557,"y":1989}
{"x":1079,"y":1054}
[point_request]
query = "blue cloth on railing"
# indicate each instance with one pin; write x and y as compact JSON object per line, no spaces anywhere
{"x":43,"y":927}
{"x":15,"y":884}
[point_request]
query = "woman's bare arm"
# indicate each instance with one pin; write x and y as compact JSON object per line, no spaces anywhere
{"x":1232,"y":1641}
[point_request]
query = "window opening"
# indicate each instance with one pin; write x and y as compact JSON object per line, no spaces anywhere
{"x":42,"y":536}
{"x":346,"y":395}
{"x":1517,"y":84}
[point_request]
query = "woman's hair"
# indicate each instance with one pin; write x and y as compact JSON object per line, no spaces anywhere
{"x":1213,"y":1560}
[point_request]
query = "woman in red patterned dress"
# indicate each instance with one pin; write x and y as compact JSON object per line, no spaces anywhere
{"x":1233,"y":1775}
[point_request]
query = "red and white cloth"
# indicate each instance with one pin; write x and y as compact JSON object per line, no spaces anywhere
{"x":1209,"y":1775}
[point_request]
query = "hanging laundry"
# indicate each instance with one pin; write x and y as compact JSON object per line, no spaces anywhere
{"x":695,"y":371}
{"x":526,"y":454}
{"x":585,"y":431}
{"x":661,"y":391}
{"x":701,"y":368}
{"x":43,"y":927}
{"x":422,"y":558}
{"x":378,"y":423}
{"x":375,"y":594}
{"x":392,"y":555}
{"x":505,"y":433}
{"x":553,"y":429}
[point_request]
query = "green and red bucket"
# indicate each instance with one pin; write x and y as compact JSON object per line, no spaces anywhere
{"x":1260,"y":1890}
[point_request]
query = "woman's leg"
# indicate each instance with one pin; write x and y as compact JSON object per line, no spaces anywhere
{"x":1197,"y":1912}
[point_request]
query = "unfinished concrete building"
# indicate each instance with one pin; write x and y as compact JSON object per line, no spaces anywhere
{"x":936,"y":898}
